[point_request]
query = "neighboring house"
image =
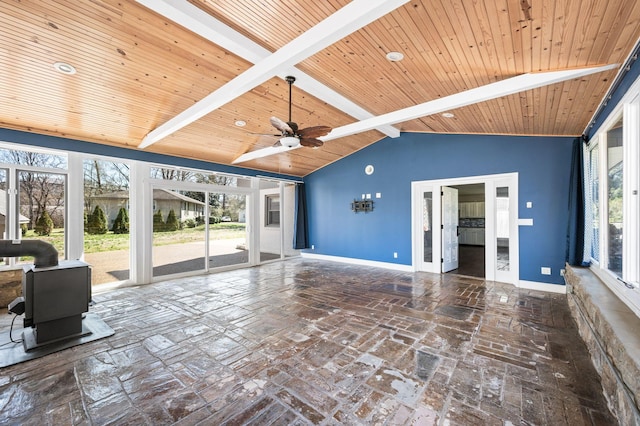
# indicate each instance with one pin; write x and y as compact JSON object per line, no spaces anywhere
{"x":184,"y":207}
{"x":163,"y":200}
{"x":3,"y":213}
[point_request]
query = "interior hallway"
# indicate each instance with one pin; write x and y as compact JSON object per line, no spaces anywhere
{"x":312,"y":342}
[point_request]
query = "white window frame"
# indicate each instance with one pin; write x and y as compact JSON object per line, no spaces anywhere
{"x":140,"y":206}
{"x":268,"y":198}
{"x":12,"y":228}
{"x":628,"y":287}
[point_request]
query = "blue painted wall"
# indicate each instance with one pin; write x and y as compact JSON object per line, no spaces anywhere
{"x":543,"y":165}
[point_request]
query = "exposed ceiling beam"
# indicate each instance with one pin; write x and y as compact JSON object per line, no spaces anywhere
{"x":200,"y":22}
{"x":495,"y":90}
{"x":348,"y":19}
{"x":487,"y":92}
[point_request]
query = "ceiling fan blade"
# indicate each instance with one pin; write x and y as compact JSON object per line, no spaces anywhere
{"x":281,"y":125}
{"x":311,"y":142}
{"x":314,"y":132}
{"x":264,"y":152}
{"x":293,"y":126}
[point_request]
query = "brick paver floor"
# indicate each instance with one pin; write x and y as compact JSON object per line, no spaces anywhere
{"x":313,"y":342}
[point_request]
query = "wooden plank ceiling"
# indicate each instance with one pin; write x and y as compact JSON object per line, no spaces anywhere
{"x":137,"y":69}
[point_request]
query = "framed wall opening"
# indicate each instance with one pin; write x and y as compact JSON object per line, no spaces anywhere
{"x":495,"y":218}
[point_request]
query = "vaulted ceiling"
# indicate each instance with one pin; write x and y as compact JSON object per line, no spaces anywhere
{"x":142,"y":66}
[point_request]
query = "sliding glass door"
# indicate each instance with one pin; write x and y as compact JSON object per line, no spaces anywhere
{"x":227,"y":230}
{"x":179,"y":232}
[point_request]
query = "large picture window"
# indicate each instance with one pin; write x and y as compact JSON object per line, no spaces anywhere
{"x":272,"y":210}
{"x":615,"y":197}
{"x":612,"y":208}
{"x":106,"y":219}
{"x":33,"y":194}
{"x":141,"y":220}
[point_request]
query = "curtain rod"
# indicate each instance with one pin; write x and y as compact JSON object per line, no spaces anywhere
{"x":622,"y":72}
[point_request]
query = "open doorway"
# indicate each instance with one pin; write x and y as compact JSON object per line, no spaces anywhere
{"x":471,"y":230}
{"x":486,"y":227}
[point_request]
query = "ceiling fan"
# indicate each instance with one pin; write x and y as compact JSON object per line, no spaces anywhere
{"x":293,"y":137}
{"x":508,"y":86}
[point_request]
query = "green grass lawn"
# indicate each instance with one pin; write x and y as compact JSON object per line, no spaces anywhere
{"x":111,"y":241}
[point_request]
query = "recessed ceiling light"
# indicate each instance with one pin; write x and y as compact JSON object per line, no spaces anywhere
{"x":448,"y":115}
{"x":395,"y":56}
{"x":241,"y":123}
{"x":64,"y":68}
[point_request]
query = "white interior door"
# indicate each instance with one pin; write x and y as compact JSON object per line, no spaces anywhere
{"x":449,"y":229}
{"x":504,"y":248}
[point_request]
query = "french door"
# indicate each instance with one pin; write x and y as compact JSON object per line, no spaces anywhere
{"x":449,"y":228}
{"x":434,"y":226}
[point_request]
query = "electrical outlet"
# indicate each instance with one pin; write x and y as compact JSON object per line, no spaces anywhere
{"x":545,"y":270}
{"x":313,"y":247}
{"x":395,"y":255}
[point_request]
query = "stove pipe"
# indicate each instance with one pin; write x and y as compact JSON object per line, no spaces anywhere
{"x":44,"y":253}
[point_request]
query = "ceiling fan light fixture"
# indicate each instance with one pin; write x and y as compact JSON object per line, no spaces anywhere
{"x":290,"y":141}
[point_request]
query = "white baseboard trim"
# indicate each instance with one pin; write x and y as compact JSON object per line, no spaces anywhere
{"x":551,"y":288}
{"x":361,"y":262}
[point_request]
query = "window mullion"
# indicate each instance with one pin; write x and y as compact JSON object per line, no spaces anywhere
{"x":631,"y":183}
{"x":604,"y":202}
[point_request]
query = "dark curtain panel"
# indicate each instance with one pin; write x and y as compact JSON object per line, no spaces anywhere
{"x":300,"y":228}
{"x":576,"y":225}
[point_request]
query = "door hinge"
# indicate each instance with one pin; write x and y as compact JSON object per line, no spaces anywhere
{"x":441,"y":260}
{"x":441,"y":226}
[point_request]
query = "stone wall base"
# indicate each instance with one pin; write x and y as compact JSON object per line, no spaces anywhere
{"x":10,"y":286}
{"x":611,"y":332}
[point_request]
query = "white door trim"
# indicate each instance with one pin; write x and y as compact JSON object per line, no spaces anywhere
{"x":435,"y":185}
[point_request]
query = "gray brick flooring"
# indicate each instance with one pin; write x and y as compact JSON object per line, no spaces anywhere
{"x":312,"y":342}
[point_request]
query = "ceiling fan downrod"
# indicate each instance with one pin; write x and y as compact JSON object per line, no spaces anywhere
{"x":290,"y":80}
